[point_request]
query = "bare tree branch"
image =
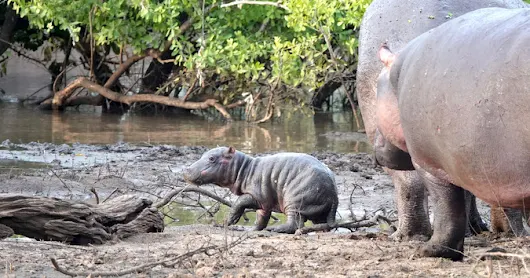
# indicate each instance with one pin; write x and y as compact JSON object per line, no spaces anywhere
{"x":348,"y":225}
{"x":189,"y":188}
{"x":246,"y":2}
{"x":59,"y":98}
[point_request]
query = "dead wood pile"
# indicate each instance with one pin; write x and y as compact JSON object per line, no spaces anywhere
{"x":80,"y":223}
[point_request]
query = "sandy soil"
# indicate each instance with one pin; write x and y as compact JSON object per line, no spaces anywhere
{"x":71,"y":171}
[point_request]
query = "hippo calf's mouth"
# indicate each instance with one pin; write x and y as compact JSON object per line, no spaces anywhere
{"x":192,"y":178}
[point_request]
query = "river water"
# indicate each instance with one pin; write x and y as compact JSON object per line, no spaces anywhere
{"x":333,"y":132}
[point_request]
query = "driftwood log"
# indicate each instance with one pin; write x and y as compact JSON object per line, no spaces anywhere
{"x":71,"y":222}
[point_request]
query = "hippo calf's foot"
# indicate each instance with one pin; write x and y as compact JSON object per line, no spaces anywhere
{"x":242,"y":203}
{"x":294,"y":222}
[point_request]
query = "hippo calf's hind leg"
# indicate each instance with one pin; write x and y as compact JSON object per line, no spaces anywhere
{"x":294,"y":222}
{"x":262,"y":219}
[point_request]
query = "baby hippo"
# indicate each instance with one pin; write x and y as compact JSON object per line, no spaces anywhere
{"x":295,"y":184}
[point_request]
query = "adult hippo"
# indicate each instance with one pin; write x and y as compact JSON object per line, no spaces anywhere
{"x":455,"y":98}
{"x":397,"y":22}
{"x":296,"y":184}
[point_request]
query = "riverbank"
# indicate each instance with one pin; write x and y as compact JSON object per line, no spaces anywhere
{"x":76,"y":171}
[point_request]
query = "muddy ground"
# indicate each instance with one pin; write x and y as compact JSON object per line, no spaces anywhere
{"x":152,"y":171}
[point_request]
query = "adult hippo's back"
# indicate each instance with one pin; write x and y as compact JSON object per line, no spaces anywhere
{"x":457,"y":99}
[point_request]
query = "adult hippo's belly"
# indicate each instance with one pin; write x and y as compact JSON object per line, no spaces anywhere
{"x":463,"y":96}
{"x":397,"y":22}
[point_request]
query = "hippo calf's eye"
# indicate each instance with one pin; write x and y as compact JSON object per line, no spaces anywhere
{"x":211,"y":159}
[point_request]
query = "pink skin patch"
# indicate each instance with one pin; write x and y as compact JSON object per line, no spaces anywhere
{"x":386,"y":56}
{"x":388,"y":120}
{"x":203,"y":172}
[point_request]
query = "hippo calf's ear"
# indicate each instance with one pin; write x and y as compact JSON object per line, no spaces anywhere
{"x":231,"y":150}
{"x":386,"y":56}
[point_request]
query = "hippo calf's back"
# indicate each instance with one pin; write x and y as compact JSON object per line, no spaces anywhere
{"x":294,"y":173}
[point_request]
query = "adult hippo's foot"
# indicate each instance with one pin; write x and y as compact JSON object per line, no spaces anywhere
{"x":475,"y":225}
{"x":411,"y":199}
{"x":507,"y":220}
{"x":450,"y":219}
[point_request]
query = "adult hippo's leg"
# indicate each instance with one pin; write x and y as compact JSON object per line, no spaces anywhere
{"x":412,"y":206}
{"x":410,"y":194}
{"x":507,"y":220}
{"x":475,"y":225}
{"x":450,"y":218}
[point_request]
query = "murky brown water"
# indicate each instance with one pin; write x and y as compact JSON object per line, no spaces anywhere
{"x":323,"y":132}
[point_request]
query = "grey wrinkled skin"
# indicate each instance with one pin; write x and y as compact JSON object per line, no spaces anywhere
{"x":461,"y":91}
{"x":296,"y":184}
{"x":397,"y":22}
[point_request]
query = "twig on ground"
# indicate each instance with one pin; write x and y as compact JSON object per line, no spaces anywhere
{"x":93,"y":190}
{"x":374,"y":220}
{"x":489,"y":255}
{"x":169,"y":262}
{"x":61,"y":180}
{"x":111,"y":193}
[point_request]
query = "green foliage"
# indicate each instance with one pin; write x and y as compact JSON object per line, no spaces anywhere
{"x":246,"y":43}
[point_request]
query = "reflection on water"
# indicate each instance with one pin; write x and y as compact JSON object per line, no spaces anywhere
{"x":15,"y":166}
{"x":179,"y":214}
{"x":300,"y":133}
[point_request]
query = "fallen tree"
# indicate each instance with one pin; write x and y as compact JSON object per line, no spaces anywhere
{"x":58,"y":99}
{"x":71,"y":222}
{"x":64,"y":97}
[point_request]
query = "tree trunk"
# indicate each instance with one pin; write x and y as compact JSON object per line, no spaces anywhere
{"x":157,"y":73}
{"x":8,"y":28}
{"x":76,"y":222}
{"x":323,"y":94}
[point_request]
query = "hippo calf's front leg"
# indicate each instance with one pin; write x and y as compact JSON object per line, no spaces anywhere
{"x":244,"y":202}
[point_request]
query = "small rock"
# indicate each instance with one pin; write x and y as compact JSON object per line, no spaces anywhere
{"x":205,"y":271}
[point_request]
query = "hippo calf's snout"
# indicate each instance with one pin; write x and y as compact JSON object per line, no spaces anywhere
{"x":186,"y":174}
{"x":193,"y":175}
{"x":283,"y":182}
